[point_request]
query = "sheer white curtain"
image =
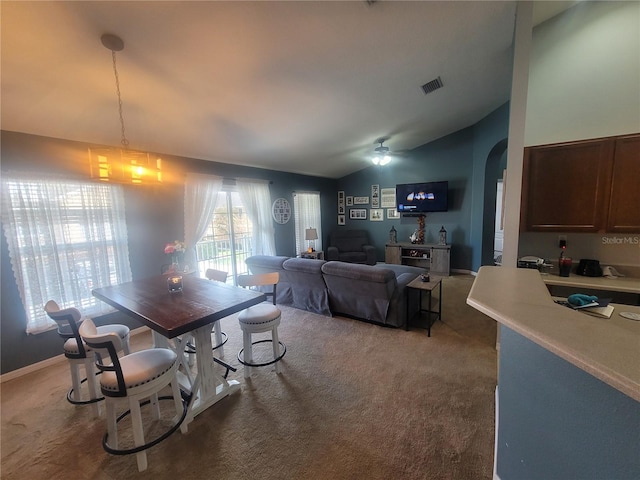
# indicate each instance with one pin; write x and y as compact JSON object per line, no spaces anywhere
{"x":306,"y":213}
{"x":256,"y":199}
{"x":65,"y":238}
{"x":200,"y":196}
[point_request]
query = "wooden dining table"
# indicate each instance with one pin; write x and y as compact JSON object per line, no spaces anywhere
{"x":171,"y":315}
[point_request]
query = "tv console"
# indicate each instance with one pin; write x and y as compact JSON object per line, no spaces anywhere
{"x":430,"y":256}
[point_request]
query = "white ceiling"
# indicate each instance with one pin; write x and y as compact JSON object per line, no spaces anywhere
{"x":304,"y":87}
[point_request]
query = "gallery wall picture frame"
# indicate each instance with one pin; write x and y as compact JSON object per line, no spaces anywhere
{"x":375,"y":196}
{"x":392,"y":213}
{"x":340,"y":209}
{"x":340,"y":196}
{"x":349,"y":200}
{"x":341,"y":220}
{"x":388,"y":198}
{"x":376,"y":215}
{"x":361,"y":200}
{"x":358,"y":214}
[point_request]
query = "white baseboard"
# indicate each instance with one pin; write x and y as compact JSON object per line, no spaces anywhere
{"x":34,"y":367}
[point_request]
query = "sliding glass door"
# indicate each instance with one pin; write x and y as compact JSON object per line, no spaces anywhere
{"x":226,"y":243}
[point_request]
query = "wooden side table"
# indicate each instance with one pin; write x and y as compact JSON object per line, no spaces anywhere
{"x":317,"y":254}
{"x":428,"y":287}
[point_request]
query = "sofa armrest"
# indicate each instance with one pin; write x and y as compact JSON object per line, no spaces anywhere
{"x":370,"y":250}
{"x":333,"y":253}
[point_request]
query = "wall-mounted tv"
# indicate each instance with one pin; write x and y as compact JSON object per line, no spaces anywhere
{"x":422,"y":197}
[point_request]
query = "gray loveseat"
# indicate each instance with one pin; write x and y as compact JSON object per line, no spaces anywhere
{"x":374,"y":293}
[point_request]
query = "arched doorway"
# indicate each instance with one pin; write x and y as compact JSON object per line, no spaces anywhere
{"x":494,"y":168}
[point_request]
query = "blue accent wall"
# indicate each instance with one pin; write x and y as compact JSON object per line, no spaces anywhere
{"x":460,"y":158}
{"x":556,"y":421}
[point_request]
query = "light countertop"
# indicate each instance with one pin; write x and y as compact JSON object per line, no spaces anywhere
{"x":618,"y":284}
{"x":608,"y":349}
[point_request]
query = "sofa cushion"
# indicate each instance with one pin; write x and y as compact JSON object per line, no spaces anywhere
{"x":360,"y":291}
{"x":358,"y":272}
{"x":265,"y":262}
{"x":303,"y":265}
{"x":308,"y":290}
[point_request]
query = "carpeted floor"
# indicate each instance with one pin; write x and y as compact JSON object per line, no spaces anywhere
{"x":354,"y":401}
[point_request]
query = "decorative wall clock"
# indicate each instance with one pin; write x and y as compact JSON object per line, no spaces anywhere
{"x":281,"y":210}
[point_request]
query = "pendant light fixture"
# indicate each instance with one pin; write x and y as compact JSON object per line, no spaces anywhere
{"x":122,"y":165}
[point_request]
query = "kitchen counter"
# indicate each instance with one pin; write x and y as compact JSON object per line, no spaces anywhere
{"x":618,"y":284}
{"x":608,"y":349}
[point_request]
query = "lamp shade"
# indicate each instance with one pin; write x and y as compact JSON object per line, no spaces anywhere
{"x":310,"y":234}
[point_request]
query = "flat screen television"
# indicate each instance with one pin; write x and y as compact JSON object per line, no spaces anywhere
{"x":422,"y":197}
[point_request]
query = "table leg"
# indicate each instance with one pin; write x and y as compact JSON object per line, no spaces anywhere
{"x":177,"y":345}
{"x":209,"y":387}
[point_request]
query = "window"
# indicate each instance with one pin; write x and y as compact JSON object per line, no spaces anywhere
{"x":65,"y":238}
{"x":306,"y":210}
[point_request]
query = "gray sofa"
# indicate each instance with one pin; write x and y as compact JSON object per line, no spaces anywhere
{"x":351,"y":246}
{"x":374,"y":293}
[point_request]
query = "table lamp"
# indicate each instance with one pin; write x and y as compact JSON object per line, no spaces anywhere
{"x":310,"y":234}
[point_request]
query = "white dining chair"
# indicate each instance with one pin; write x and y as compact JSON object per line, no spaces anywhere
{"x":263,"y":317}
{"x":79,"y":354}
{"x":132,"y":379}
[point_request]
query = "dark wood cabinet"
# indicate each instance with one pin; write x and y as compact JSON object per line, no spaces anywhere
{"x":624,"y":203}
{"x":584,"y":186}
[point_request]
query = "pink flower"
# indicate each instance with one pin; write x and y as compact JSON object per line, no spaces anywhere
{"x":175,"y":247}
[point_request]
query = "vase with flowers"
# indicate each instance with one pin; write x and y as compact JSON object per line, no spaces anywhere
{"x":175,"y":250}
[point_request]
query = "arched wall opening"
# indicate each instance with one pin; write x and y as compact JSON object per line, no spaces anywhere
{"x":494,"y":168}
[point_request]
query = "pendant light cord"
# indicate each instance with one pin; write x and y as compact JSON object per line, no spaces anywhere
{"x":124,"y":141}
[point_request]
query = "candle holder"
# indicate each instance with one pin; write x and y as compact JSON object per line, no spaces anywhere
{"x":174,"y":283}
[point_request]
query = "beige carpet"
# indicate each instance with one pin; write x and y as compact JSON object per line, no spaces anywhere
{"x":354,"y":401}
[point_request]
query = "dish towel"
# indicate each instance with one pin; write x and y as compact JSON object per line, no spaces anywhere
{"x":580,"y":299}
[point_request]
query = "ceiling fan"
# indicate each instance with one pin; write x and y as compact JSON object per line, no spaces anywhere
{"x":381,"y":154}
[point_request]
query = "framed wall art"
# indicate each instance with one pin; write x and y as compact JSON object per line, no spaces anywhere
{"x":361,"y":200}
{"x":281,"y":210}
{"x":341,"y":220}
{"x":388,"y":198}
{"x":375,"y":196}
{"x":376,"y":215}
{"x":358,"y":214}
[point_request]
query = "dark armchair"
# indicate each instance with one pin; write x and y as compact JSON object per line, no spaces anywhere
{"x":351,"y":246}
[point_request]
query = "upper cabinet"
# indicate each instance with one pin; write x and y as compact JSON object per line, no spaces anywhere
{"x":584,"y":186}
{"x":624,"y":205}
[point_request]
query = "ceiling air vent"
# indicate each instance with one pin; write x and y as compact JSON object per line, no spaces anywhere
{"x":431,"y":86}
